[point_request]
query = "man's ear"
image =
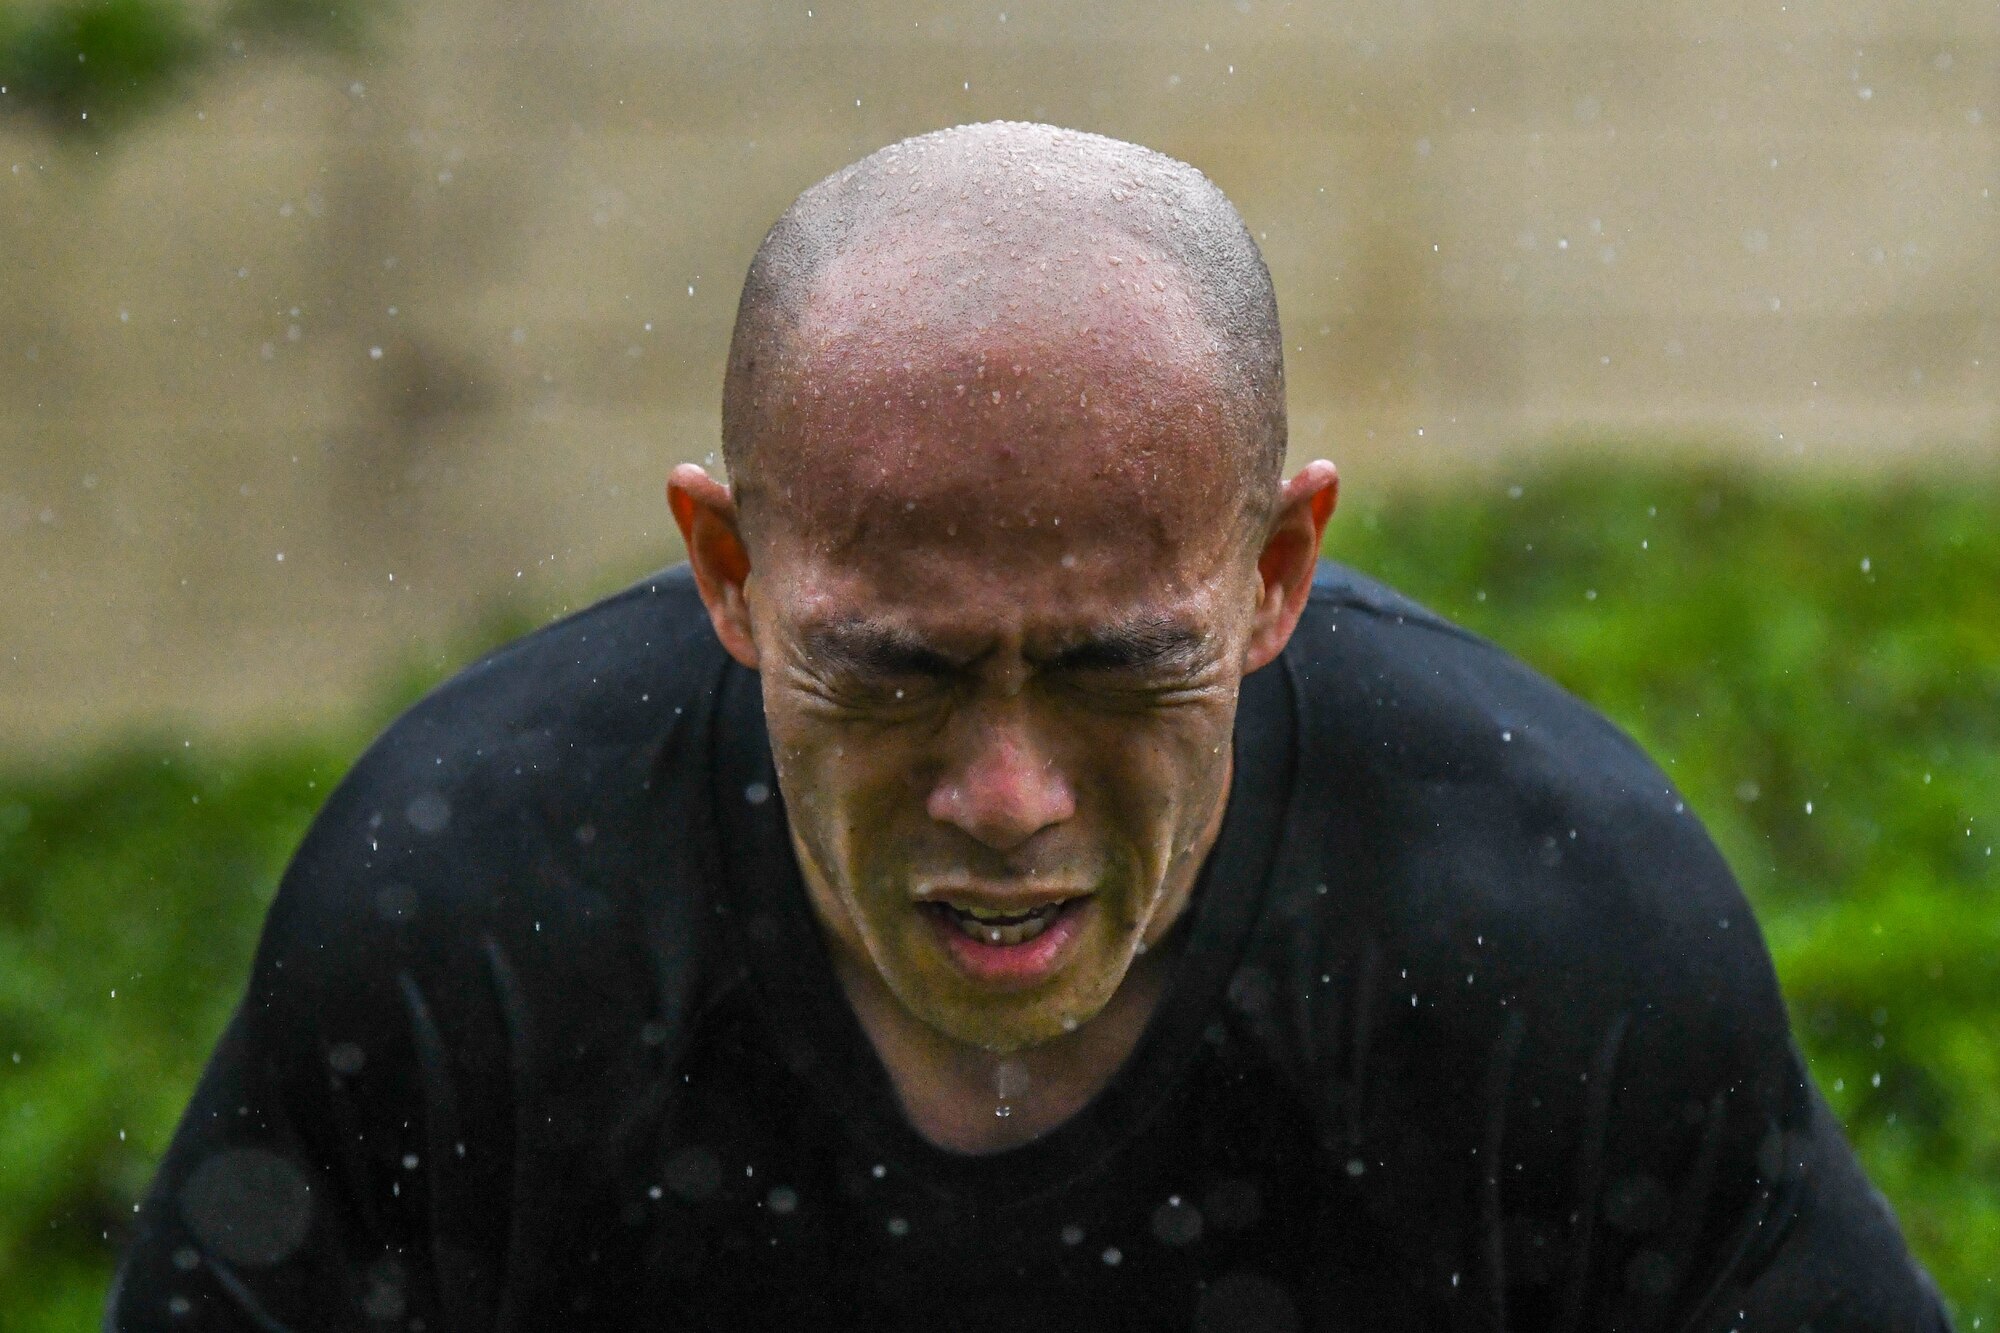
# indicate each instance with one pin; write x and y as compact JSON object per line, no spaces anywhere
{"x":706,"y":513}
{"x":1285,"y":565}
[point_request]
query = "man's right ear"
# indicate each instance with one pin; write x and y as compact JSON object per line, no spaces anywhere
{"x":706,"y":513}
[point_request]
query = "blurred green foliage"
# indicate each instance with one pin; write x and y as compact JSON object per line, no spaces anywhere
{"x":85,"y":67}
{"x":109,"y":56}
{"x":1818,"y":666}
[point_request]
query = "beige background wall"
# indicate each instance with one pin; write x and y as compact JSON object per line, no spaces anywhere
{"x":433,"y":324}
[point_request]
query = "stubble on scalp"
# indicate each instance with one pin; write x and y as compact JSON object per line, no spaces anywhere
{"x":990,"y":232}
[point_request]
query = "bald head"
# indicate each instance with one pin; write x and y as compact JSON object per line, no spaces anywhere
{"x":1004,"y":264}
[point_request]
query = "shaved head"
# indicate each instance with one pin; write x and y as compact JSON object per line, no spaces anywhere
{"x":1005,"y":533}
{"x":1001,"y":262}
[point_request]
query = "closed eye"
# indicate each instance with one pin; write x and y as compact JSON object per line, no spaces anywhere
{"x":873,"y":653}
{"x":867,"y":663}
{"x":1149,"y":649}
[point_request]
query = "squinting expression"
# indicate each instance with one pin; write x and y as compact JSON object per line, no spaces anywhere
{"x":1001,"y":630}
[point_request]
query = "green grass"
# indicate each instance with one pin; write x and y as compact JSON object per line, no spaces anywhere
{"x":1727,"y":621}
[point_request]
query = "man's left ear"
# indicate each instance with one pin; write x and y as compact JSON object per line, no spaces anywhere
{"x":1285,"y":565}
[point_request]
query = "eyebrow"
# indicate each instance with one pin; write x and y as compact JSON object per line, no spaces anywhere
{"x":1145,"y":642}
{"x":1142,"y":643}
{"x":862,"y":648}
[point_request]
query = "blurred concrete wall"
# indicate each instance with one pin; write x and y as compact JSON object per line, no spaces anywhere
{"x":326,"y":356}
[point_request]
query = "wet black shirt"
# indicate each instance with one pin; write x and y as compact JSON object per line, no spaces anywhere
{"x":1469,"y":1028}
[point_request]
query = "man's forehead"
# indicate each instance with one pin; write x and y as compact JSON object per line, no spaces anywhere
{"x":901,"y":531}
{"x":1045,"y":413}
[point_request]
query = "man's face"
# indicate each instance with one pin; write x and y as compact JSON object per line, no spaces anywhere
{"x":1000,"y":603}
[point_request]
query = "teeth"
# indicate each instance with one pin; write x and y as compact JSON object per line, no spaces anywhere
{"x":1002,"y":928}
{"x":986,"y":913}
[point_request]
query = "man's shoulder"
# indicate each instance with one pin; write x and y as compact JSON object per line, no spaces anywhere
{"x":598,"y":676}
{"x":1499,"y":847}
{"x":538,"y":792}
{"x":1510,"y":972}
{"x":1430,"y":699}
{"x":1434,"y":737}
{"x":1470,"y":774}
{"x":555,"y":718}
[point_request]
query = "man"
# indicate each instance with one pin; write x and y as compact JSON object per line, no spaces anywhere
{"x":998,"y":885}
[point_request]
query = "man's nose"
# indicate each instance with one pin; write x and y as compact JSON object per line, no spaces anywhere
{"x":1005,"y":789}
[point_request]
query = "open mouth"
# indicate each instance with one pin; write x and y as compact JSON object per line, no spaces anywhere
{"x":999,"y":928}
{"x":1010,"y":946}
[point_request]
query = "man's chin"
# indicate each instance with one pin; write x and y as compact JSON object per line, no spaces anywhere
{"x":1002,"y":1038}
{"x":1005,"y":1024}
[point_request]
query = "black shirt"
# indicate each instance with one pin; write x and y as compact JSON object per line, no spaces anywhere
{"x":1469,"y":1028}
